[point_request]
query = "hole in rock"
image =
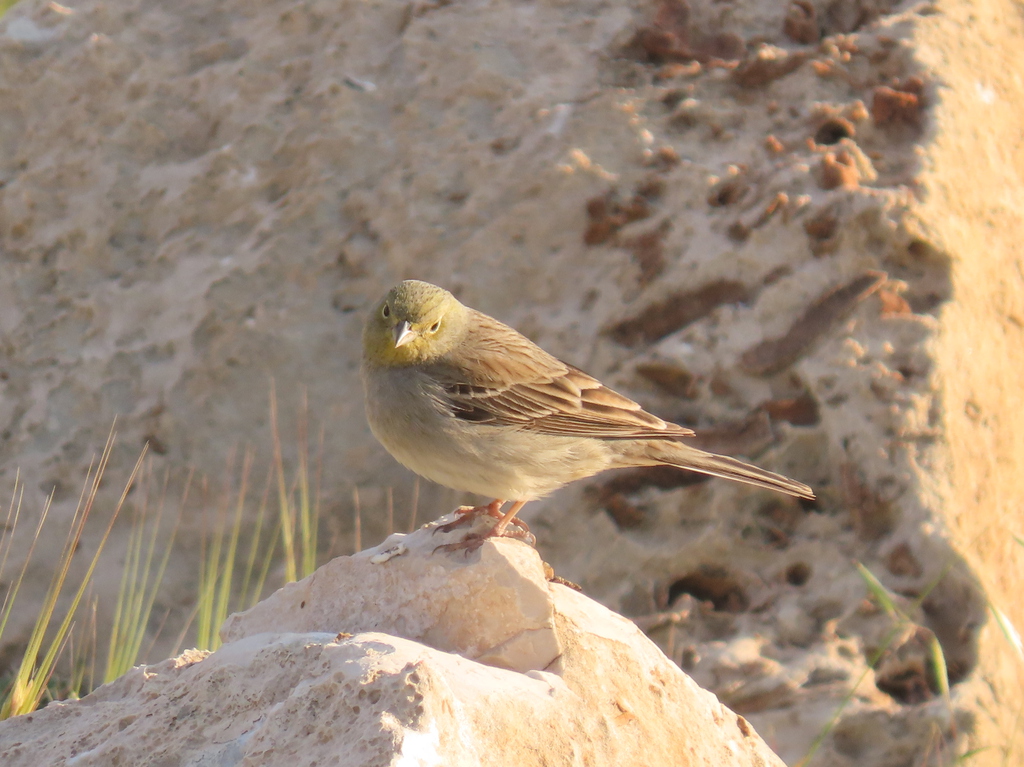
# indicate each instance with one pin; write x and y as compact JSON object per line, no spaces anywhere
{"x":801,"y":410}
{"x":955,"y":610}
{"x":834,"y":130}
{"x":711,"y":583}
{"x":909,"y":682}
{"x":798,"y":573}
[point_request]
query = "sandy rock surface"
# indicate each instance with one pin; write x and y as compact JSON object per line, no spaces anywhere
{"x":280,"y":694}
{"x":793,"y":227}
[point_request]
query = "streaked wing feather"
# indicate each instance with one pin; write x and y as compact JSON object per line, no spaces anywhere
{"x":509,"y":381}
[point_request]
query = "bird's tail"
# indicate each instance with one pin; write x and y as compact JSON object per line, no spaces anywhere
{"x":686,"y":457}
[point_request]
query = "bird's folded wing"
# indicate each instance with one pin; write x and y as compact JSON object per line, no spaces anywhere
{"x":503,"y":379}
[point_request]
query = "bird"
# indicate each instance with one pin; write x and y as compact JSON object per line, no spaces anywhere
{"x":470,"y":403}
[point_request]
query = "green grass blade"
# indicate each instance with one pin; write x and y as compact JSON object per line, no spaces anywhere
{"x":1008,"y":630}
{"x":247,"y":599}
{"x":227,"y":570}
{"x":33,"y":675}
{"x":879,"y":592}
{"x":939,"y":668}
{"x":285,"y":512}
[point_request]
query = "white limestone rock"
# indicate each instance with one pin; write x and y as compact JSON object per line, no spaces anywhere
{"x":421,"y":683}
{"x":498,"y":611}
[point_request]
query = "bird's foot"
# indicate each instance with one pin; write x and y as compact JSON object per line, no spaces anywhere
{"x":469,"y":514}
{"x":517,"y":531}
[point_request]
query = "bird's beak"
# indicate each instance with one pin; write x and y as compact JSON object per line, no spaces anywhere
{"x":403,"y":333}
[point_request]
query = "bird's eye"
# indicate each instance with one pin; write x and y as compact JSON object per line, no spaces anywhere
{"x":386,"y":311}
{"x":435,"y":327}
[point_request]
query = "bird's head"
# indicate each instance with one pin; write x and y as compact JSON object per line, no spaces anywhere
{"x":416,"y":322}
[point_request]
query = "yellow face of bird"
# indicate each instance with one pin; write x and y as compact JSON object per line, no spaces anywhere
{"x":416,"y":322}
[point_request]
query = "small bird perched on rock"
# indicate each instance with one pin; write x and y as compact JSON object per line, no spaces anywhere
{"x":466,"y":401}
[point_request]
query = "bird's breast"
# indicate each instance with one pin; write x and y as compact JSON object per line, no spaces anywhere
{"x":408,"y":414}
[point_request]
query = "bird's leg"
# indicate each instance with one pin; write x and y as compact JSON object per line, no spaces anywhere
{"x":467,"y":514}
{"x":499,"y":529}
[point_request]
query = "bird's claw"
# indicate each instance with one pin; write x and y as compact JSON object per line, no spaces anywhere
{"x":520,"y":532}
{"x":517,"y":531}
{"x":466,"y":515}
{"x":469,"y":544}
